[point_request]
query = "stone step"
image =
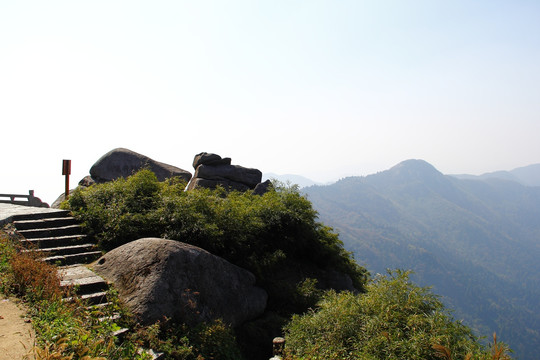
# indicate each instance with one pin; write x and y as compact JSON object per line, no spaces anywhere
{"x":65,"y":250}
{"x":120,"y":334}
{"x":113,"y":317}
{"x":70,"y":259}
{"x":91,"y":299}
{"x":83,"y":279}
{"x":99,"y":306}
{"x":56,"y":241}
{"x":46,"y":223}
{"x":41,"y":215}
{"x":54,"y":232}
{"x":95,"y":298}
{"x":89,"y":287}
{"x":154,"y":355}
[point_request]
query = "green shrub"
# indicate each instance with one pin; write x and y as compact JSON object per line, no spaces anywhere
{"x":120,"y":211}
{"x":394,"y":319}
{"x":212,"y":340}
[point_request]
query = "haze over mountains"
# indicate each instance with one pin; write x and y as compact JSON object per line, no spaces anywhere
{"x":475,"y":239}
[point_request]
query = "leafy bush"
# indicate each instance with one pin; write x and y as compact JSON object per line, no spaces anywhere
{"x":212,"y":340}
{"x":394,"y":319}
{"x":120,"y":211}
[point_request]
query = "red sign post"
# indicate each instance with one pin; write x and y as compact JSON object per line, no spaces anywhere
{"x":66,"y":170}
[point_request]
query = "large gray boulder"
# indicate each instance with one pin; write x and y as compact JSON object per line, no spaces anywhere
{"x":159,"y":278}
{"x":122,"y":162}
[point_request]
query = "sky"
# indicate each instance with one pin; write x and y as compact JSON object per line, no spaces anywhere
{"x":323,"y":89}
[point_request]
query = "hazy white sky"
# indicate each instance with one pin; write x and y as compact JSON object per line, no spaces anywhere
{"x":324,"y":89}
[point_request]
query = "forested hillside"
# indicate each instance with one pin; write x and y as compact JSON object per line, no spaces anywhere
{"x":476,"y":241}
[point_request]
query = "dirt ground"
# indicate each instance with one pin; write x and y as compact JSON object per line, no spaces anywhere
{"x":16,"y":333}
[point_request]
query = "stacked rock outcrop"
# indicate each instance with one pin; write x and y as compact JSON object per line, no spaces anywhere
{"x":211,"y":170}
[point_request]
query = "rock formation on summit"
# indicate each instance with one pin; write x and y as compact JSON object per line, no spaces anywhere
{"x":211,"y":171}
{"x":159,"y":278}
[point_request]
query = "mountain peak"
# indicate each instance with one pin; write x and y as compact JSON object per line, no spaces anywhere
{"x":414,"y":168}
{"x":411,"y":173}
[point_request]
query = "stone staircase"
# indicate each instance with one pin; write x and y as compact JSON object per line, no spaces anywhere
{"x":60,"y":238}
{"x":57,"y":235}
{"x":92,"y":289}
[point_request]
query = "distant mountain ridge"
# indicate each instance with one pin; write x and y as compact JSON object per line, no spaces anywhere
{"x":526,"y":175}
{"x":476,"y":242}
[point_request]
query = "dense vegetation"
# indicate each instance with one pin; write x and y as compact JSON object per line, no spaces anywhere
{"x":475,"y":242}
{"x":270,"y":235}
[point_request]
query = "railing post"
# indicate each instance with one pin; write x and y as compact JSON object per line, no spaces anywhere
{"x":66,"y":170}
{"x":278,"y":346}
